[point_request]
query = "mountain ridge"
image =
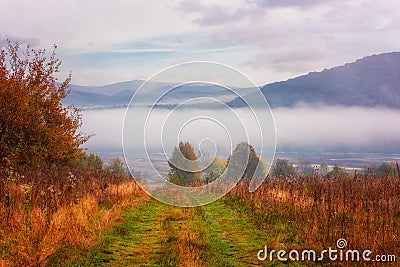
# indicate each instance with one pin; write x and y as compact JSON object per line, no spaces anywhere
{"x":369,"y":82}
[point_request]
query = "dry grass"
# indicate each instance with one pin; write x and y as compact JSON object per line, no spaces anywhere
{"x":189,"y":248}
{"x":182,"y":242}
{"x":48,"y":208}
{"x":363,"y":209}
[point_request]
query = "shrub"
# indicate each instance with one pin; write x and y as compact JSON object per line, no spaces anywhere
{"x":238,"y":158}
{"x":282,"y":168}
{"x":90,"y":161}
{"x":116,"y":166}
{"x":183,"y":165}
{"x":34,"y":126}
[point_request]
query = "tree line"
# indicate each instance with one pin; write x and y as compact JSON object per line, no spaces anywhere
{"x":184,"y":166}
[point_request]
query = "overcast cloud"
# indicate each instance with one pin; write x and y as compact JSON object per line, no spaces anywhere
{"x":268,"y":40}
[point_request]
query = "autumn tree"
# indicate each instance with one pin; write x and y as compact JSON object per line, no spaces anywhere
{"x":303,"y":165}
{"x":116,"y":166}
{"x":34,"y":125}
{"x":90,"y":161}
{"x":245,"y":153}
{"x":214,"y":170}
{"x":336,"y":172}
{"x":282,"y":169}
{"x":183,"y":165}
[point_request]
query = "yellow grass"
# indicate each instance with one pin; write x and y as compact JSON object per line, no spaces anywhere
{"x":36,"y":225}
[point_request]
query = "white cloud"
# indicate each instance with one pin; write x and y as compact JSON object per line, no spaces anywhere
{"x":215,"y":13}
{"x":4,"y":39}
{"x":307,"y":59}
{"x":74,"y":24}
{"x":283,"y":34}
{"x":290,"y":3}
{"x":261,"y":31}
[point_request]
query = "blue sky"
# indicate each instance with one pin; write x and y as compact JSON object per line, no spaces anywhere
{"x":104,"y":42}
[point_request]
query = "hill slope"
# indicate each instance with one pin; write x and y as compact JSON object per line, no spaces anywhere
{"x":368,"y":82}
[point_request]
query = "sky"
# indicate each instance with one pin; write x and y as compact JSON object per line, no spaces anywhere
{"x":104,"y":42}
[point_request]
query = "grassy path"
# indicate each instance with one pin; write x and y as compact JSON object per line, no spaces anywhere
{"x":155,"y":234}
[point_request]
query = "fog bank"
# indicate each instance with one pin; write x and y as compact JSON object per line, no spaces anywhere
{"x":303,"y":127}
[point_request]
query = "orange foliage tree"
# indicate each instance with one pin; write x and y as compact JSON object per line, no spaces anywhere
{"x":34,"y":125}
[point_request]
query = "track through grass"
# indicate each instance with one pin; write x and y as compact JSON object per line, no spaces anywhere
{"x":156,"y":234}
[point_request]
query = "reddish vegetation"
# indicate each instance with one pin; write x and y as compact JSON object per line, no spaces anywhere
{"x":34,"y":125}
{"x":46,"y":200}
{"x":44,"y":209}
{"x":365,"y":210}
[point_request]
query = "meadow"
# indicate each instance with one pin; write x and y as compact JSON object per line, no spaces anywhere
{"x":314,"y":211}
{"x":63,"y":216}
{"x":48,"y":208}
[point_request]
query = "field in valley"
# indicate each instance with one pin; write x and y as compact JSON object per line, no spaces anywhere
{"x":102,"y":219}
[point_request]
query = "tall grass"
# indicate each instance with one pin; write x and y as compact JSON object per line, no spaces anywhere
{"x":364,"y":209}
{"x":44,"y":209}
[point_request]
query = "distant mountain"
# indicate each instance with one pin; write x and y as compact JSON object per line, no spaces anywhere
{"x":81,"y":98}
{"x":105,"y":95}
{"x":109,"y":89}
{"x":368,"y":82}
{"x":120,"y":94}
